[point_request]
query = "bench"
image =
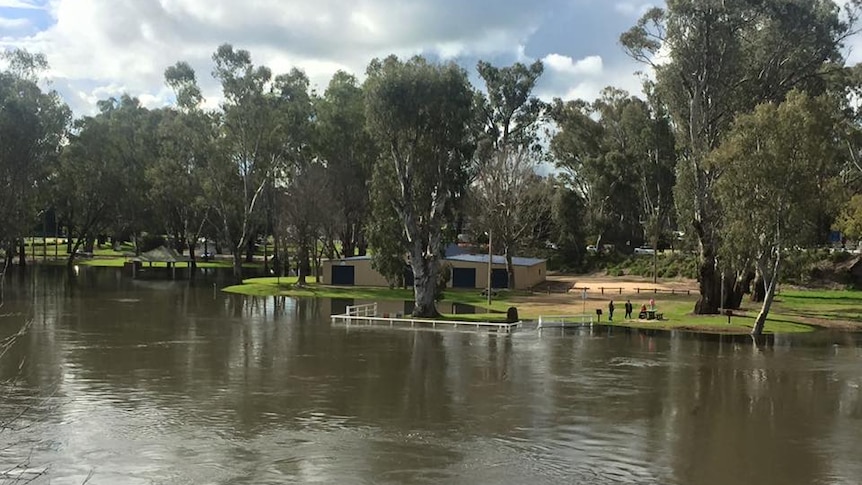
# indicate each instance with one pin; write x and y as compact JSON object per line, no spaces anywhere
{"x":651,"y":315}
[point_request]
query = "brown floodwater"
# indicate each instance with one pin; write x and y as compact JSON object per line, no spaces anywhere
{"x":162,"y":382}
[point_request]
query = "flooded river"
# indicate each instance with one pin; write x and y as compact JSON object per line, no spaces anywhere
{"x":161,"y":382}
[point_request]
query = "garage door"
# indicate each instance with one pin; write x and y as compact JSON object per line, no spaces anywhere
{"x":343,"y":275}
{"x":463,"y":277}
{"x":499,"y":278}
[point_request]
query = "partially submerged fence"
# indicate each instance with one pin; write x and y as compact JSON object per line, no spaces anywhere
{"x":565,"y":321}
{"x":366,"y":315}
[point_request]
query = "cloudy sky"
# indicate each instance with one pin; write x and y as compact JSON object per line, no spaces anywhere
{"x":102,"y":48}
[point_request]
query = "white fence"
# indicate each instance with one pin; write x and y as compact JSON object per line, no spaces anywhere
{"x":565,"y":321}
{"x":367,"y":315}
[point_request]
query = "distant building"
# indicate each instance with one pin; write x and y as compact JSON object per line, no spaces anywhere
{"x":468,"y":271}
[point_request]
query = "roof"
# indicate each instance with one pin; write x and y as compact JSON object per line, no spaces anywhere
{"x":352,"y":258}
{"x":483,"y":258}
{"x":466,"y":258}
{"x":162,"y":255}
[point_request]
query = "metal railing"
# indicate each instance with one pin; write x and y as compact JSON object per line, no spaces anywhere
{"x":565,"y":321}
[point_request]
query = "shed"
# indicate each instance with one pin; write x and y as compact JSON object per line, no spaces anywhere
{"x":161,"y":254}
{"x":351,"y":271}
{"x":468,"y":271}
{"x":471,"y":271}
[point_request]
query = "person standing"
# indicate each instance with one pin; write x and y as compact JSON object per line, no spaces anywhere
{"x":611,"y":311}
{"x":628,"y":309}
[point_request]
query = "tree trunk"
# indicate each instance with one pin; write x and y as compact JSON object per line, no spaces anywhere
{"x":22,"y":255}
{"x":302,"y":264}
{"x":192,"y":245}
{"x":73,"y":250}
{"x":237,"y":264}
{"x":362,"y":244}
{"x":249,"y":250}
{"x":424,"y":286}
{"x":276,"y":257}
{"x":510,"y":269}
{"x":758,"y":292}
{"x":348,"y":245}
{"x":760,"y":322}
{"x":710,"y":286}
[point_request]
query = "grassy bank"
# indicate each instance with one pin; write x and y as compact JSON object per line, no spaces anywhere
{"x":287,"y":287}
{"x":794,"y":311}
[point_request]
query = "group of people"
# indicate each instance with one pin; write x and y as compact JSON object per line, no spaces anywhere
{"x":629,"y":308}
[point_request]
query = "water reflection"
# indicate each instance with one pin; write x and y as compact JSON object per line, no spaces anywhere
{"x":168,"y":381}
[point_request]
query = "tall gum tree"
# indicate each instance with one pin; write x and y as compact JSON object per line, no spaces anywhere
{"x":186,"y":139}
{"x":771,"y":162}
{"x":618,"y":153}
{"x":508,"y":155}
{"x":249,"y":146}
{"x":714,"y":59}
{"x":33,"y":126}
{"x":348,"y":150}
{"x":420,"y":114}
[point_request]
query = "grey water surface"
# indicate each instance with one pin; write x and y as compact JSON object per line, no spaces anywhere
{"x":163,"y":382}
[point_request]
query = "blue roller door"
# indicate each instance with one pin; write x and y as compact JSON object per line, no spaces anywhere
{"x":499,"y":278}
{"x":463,"y":277}
{"x":343,"y":275}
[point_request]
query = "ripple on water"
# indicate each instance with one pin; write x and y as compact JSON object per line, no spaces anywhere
{"x":630,"y":362}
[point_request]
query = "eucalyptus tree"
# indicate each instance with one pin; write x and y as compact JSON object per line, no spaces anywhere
{"x":618,"y":154}
{"x":132,"y":139}
{"x":87,"y":183}
{"x":305,"y":206}
{"x":300,"y":174}
{"x":250,"y":150}
{"x":508,"y":155}
{"x":187,"y":137}
{"x":346,"y":147}
{"x":420,"y":114}
{"x":771,"y":161}
{"x":714,"y":59}
{"x":33,"y":126}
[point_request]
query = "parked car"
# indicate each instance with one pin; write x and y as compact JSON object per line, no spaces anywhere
{"x":644,"y":250}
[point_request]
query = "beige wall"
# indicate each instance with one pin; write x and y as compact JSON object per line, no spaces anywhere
{"x":526,"y":277}
{"x":363,"y":273}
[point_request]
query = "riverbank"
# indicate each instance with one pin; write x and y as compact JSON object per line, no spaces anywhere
{"x":794,"y":311}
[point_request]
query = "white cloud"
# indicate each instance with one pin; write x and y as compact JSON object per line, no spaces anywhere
{"x":585,"y":78}
{"x":632,"y":9}
{"x":101,"y":48}
{"x":13,"y":24}
{"x":591,"y":65}
{"x":109,"y":43}
{"x":22,"y":4}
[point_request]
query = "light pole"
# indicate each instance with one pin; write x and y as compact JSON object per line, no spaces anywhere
{"x":490,"y":261}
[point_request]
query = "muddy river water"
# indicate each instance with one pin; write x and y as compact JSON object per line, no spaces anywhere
{"x":163,"y":382}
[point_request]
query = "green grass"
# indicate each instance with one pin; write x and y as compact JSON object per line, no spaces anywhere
{"x":795,"y":311}
{"x":119,"y":261}
{"x":843,"y":305}
{"x":677,"y":311}
{"x":269,"y":286}
{"x":675,"y":308}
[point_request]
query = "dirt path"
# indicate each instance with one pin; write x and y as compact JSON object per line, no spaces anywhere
{"x":617,"y":288}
